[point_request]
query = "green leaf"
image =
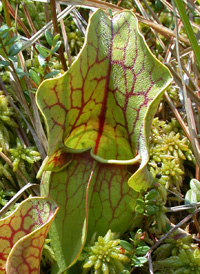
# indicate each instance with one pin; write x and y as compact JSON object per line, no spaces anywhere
{"x":55,"y":39}
{"x":4,"y":63}
{"x":33,"y":90}
{"x":152,"y":194}
{"x":34,"y":76}
{"x":39,"y":70}
{"x":139,"y":209}
{"x":172,"y":261}
{"x":133,"y":234}
{"x":103,"y":205}
{"x":15,"y":49}
{"x":51,"y":74}
{"x":23,"y":232}
{"x":13,"y":59}
{"x":189,"y":30}
{"x":111,"y":117}
{"x":151,"y":209}
{"x":100,"y":113}
{"x":139,"y":261}
{"x":21,"y":73}
{"x":4,"y":30}
{"x":43,"y":51}
{"x":126,"y":245}
{"x":42,"y":60}
{"x":141,"y":250}
{"x":195,"y":185}
{"x":140,"y":202}
{"x":49,"y":37}
{"x":12,"y":40}
{"x":191,"y":197}
{"x":193,"y":194}
{"x":56,"y":47}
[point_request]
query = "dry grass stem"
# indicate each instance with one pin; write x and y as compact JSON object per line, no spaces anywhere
{"x":14,"y":199}
{"x":56,"y":31}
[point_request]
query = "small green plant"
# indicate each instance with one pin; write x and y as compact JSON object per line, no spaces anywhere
{"x":9,"y":47}
{"x":147,"y":204}
{"x":105,"y":255}
{"x":7,"y":123}
{"x":21,"y":153}
{"x":169,"y":148}
{"x":5,"y":195}
{"x":44,"y":65}
{"x":136,"y":248}
{"x":178,"y":255}
{"x":92,"y":139}
{"x":98,"y":116}
{"x":151,"y":205}
{"x":193,"y":194}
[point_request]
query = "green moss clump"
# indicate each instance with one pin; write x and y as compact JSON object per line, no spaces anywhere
{"x":104,"y":256}
{"x":169,"y":149}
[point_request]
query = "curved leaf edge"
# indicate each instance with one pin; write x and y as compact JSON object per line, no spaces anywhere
{"x":55,"y":209}
{"x":143,"y":156}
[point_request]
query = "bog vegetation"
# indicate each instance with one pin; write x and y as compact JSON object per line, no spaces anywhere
{"x":99,"y":137}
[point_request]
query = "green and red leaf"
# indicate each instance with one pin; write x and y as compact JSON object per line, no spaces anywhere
{"x":102,"y":101}
{"x":92,"y":197}
{"x":98,"y":117}
{"x":22,"y":235}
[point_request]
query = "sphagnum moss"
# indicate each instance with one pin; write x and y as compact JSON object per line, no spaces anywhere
{"x":104,"y":256}
{"x":6,"y":122}
{"x":170,"y":148}
{"x":21,"y":153}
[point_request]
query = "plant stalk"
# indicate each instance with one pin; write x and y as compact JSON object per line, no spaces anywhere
{"x":56,"y":31}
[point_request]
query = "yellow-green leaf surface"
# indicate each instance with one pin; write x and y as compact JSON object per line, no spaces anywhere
{"x":22,"y":236}
{"x":98,"y":117}
{"x":87,"y":188}
{"x":102,"y":101}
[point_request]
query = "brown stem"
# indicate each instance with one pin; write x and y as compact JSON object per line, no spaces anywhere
{"x":196,"y":223}
{"x":148,"y":229}
{"x":177,"y":115}
{"x":197,"y":174}
{"x":46,"y":10}
{"x":161,"y":240}
{"x":56,"y":31}
{"x":19,"y":21}
{"x":64,"y":34}
{"x":28,"y":17}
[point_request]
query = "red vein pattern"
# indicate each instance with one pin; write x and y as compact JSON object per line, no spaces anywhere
{"x":87,"y":188}
{"x":105,"y":104}
{"x":101,"y":102}
{"x":22,"y":236}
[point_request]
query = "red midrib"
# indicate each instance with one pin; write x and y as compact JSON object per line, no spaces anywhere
{"x":102,"y":116}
